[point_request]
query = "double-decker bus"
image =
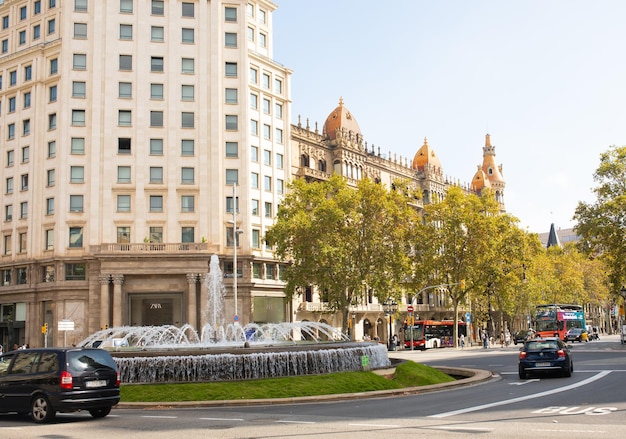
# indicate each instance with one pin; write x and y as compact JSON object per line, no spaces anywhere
{"x":555,"y":320}
{"x":431,"y":334}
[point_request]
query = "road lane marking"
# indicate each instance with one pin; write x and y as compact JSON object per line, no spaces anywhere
{"x":222,"y":419}
{"x":375,"y":425}
{"x":523,"y":398}
{"x":294,"y":422}
{"x":521,"y":383}
{"x":161,"y":417}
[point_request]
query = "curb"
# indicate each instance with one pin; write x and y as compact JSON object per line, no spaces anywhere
{"x":472,"y":377}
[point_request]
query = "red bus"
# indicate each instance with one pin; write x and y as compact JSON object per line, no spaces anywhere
{"x":556,"y":319}
{"x":431,"y":334}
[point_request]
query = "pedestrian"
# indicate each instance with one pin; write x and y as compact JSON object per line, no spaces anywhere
{"x":501,"y":339}
{"x":462,"y":339}
{"x":507,"y":337}
{"x":485,"y":339}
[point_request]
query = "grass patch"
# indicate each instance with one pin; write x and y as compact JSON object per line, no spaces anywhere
{"x":408,"y":374}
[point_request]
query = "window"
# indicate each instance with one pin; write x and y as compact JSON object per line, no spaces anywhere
{"x":24,"y":210}
{"x":156,"y":91}
{"x":187,"y":203}
{"x":5,"y":22}
{"x":158,"y":7}
{"x":262,"y":15}
{"x":254,"y":127}
{"x":10,"y":157}
{"x":157,"y":34}
{"x":49,"y":244}
{"x":77,"y":174}
{"x":11,"y":131}
{"x":229,"y":204}
{"x":278,"y":110}
{"x":52,"y":93}
{"x":76,"y":203}
{"x":123,"y":203}
{"x":7,"y":251}
{"x":266,"y":106}
{"x":251,"y":34}
{"x":188,"y":66}
{"x":255,"y":207}
{"x":52,"y":121}
{"x":187,"y":147}
{"x":231,"y":95}
{"x":188,"y":36}
{"x":267,"y":183}
{"x":125,"y":90}
{"x":52,"y":25}
{"x":22,"y":37}
{"x":27,"y":99}
{"x":156,"y":64}
{"x":123,"y":235}
{"x":187,"y":176}
{"x":36,"y":32}
{"x":230,"y":39}
{"x":76,"y":271}
{"x":79,"y":89}
{"x":256,"y":243}
{"x":262,"y":39}
{"x":9,"y":185}
{"x":280,"y":186}
{"x":267,"y":157}
{"x":156,"y":118}
{"x":230,"y":14}
{"x":126,"y":62}
{"x":5,"y":46}
{"x":267,"y":132}
{"x":80,"y":30}
{"x":76,"y":238}
{"x":156,"y":203}
{"x":187,"y":92}
{"x":23,"y":13}
{"x":187,"y":119}
{"x":278,"y":135}
{"x":123,"y":145}
{"x":188,"y":9}
{"x":156,"y":174}
{"x":232,"y":149}
{"x":232,"y":176}
{"x":124,"y":118}
{"x":79,"y":61}
{"x":25,"y":154}
{"x":231,"y":69}
{"x":22,"y":241}
{"x":278,"y":86}
{"x":123,"y":174}
{"x":254,"y":101}
{"x":254,"y":154}
{"x":156,"y":234}
{"x":126,"y":6}
{"x":256,"y":266}
{"x":269,"y":271}
{"x":80,"y":5}
{"x":78,"y":118}
{"x":37,"y":7}
{"x":254,"y":180}
{"x":8,"y":212}
{"x":266,"y":80}
{"x":49,"y":206}
{"x":187,"y":234}
{"x":52,"y":4}
{"x":250,"y":10}
{"x":77,"y":145}
{"x":13,"y":77}
{"x":126,"y":31}
{"x":232,"y":122}
{"x":156,"y":146}
{"x":268,"y":210}
{"x":50,"y":177}
{"x":12,"y":101}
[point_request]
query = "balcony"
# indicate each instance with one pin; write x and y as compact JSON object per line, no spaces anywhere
{"x":155,"y":248}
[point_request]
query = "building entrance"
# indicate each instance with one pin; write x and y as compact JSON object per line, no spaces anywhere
{"x":156,"y":309}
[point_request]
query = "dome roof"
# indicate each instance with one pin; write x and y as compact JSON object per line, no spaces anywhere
{"x":480,"y":180}
{"x":425,"y":155}
{"x":340,"y":118}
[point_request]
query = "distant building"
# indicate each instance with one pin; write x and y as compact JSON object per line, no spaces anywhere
{"x":558,"y":237}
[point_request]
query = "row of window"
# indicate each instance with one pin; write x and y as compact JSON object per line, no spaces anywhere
{"x":35,"y":32}
{"x":72,"y":272}
{"x":36,"y":10}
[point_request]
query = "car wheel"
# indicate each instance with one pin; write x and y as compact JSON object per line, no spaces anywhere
{"x":522,"y":374}
{"x":100,"y":413}
{"x":40,"y":409}
{"x":568,"y":372}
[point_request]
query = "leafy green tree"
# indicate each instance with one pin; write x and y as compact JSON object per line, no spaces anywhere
{"x":343,"y":240}
{"x":602,"y":224}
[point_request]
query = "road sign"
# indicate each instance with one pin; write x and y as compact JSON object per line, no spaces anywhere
{"x":409,"y":308}
{"x":468,"y":317}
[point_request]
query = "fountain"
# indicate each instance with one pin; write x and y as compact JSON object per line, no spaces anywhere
{"x":148,"y":354}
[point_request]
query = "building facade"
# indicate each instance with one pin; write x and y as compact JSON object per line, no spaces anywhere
{"x":140,"y":137}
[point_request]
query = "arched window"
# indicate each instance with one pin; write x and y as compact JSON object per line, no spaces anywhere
{"x":304,"y":160}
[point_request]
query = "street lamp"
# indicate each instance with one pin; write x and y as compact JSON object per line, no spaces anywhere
{"x":390,"y":307}
{"x":236,"y":233}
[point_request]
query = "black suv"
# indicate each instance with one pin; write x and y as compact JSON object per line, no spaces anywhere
{"x":45,"y":381}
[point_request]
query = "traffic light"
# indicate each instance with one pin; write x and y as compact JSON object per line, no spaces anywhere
{"x":44,"y":328}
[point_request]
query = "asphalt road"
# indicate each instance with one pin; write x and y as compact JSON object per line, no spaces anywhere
{"x":592,"y":403}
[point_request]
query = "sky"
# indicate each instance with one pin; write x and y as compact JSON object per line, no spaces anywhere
{"x":546,"y":80}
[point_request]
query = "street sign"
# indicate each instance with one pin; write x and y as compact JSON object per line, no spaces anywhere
{"x":468,"y":317}
{"x":409,"y":308}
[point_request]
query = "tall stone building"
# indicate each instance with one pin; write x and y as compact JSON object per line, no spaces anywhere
{"x":140,"y":137}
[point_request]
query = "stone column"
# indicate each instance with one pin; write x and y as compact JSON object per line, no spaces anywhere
{"x":204,"y":294}
{"x":105,"y":299}
{"x":192,"y":312}
{"x":118,"y":280}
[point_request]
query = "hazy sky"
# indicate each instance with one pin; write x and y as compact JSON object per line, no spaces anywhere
{"x":547,"y":80}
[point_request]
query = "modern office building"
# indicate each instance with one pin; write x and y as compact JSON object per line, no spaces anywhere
{"x":140,"y":137}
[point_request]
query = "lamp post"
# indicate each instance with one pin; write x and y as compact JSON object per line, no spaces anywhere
{"x":390,"y":307}
{"x":622,"y":292}
{"x":236,"y":233}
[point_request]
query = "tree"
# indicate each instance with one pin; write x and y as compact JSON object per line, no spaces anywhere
{"x":602,"y":224}
{"x":343,"y":240}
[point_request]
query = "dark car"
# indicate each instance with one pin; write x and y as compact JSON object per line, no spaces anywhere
{"x":45,"y":381}
{"x":577,"y":334}
{"x":520,"y":336}
{"x":545,"y":355}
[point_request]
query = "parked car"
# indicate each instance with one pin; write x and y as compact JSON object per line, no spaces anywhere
{"x":49,"y":380}
{"x":545,"y":355}
{"x":520,"y":336}
{"x":577,"y":334}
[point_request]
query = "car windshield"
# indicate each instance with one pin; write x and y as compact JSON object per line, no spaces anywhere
{"x":541,"y":344}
